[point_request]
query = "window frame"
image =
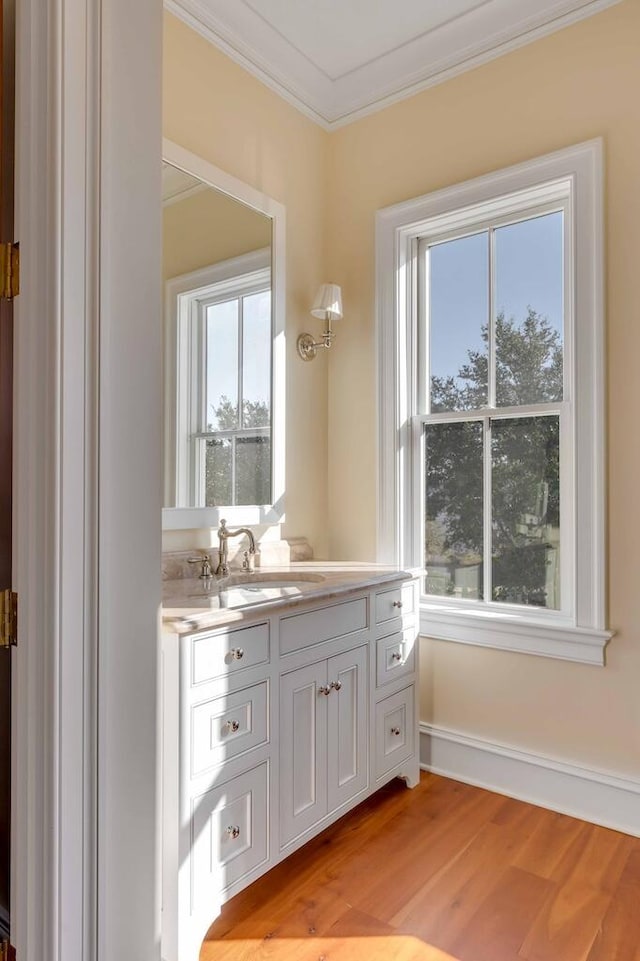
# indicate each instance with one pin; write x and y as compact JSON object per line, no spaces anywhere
{"x":577,"y":633}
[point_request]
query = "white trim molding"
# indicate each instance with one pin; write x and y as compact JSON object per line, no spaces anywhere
{"x":87,"y":499}
{"x":452,"y":47}
{"x":55,"y":523}
{"x":587,"y":793}
{"x":579,"y":631}
{"x":565,"y":642}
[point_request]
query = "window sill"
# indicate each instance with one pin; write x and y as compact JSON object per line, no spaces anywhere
{"x":190,"y":518}
{"x":558,"y":638}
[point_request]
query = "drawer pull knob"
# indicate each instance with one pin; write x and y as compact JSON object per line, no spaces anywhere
{"x":397,"y":604}
{"x":233,"y":726}
{"x":336,"y":685}
{"x":396,"y":656}
{"x":325,"y":689}
{"x":237,"y":653}
{"x":233,"y":831}
{"x":396,"y":731}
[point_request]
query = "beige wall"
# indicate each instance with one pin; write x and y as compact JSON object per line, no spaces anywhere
{"x":579,"y":83}
{"x":215,"y":109}
{"x":206,"y":228}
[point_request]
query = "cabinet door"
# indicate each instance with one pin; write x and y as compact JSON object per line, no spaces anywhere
{"x":395,"y":730}
{"x":303,"y":749}
{"x":228,"y":835}
{"x":347,"y":763}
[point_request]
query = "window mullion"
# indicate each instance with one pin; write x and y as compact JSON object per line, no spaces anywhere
{"x":487,"y":528}
{"x":491,"y":345}
{"x":201,"y":360}
{"x":198,"y":449}
{"x":240,"y":362}
{"x":233,"y":471}
{"x":424,"y":331}
{"x":497,"y":413}
{"x":491,"y":403}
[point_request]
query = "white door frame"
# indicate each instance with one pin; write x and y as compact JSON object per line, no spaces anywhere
{"x":87,"y":480}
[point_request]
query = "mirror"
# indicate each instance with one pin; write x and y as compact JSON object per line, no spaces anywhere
{"x":224,"y":337}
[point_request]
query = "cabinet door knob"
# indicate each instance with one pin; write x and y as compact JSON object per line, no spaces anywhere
{"x":233,"y":726}
{"x":396,"y":731}
{"x":396,"y":656}
{"x":397,"y":604}
{"x":325,"y":689}
{"x":233,"y":831}
{"x":336,"y":685}
{"x":237,"y":653}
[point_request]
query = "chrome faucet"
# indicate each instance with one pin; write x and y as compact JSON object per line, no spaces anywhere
{"x":223,"y":560}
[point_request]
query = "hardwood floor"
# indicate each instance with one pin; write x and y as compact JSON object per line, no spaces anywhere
{"x":446,"y":872}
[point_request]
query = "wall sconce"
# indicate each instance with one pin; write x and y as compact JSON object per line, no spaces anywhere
{"x":327,"y":306}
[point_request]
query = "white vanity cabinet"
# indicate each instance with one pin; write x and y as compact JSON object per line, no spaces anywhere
{"x":273,"y":726}
{"x":323,"y":740}
{"x":394,"y":728}
{"x":217,"y":725}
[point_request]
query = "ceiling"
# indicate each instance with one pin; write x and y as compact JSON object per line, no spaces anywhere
{"x":337,"y":60}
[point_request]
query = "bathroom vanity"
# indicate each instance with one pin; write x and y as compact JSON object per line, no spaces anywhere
{"x":287,"y":698}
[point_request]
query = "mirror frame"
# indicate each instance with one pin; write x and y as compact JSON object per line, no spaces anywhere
{"x":191,"y":518}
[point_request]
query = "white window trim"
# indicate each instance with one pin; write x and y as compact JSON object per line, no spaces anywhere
{"x":582,"y":636}
{"x":187,"y":518}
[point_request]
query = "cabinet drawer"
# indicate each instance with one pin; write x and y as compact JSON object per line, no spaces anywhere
{"x":313,"y":627}
{"x":395,"y":602}
{"x":228,"y":834}
{"x":228,"y":726}
{"x":227,"y":652}
{"x":395,"y":735}
{"x":395,"y":656}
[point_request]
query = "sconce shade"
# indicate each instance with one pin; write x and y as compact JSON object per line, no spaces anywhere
{"x":328,"y":302}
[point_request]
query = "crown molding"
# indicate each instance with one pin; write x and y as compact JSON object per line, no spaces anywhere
{"x":266,"y":54}
{"x":468,"y":41}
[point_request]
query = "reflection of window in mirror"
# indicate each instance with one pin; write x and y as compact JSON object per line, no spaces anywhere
{"x":223,"y":438}
{"x":221,"y":443}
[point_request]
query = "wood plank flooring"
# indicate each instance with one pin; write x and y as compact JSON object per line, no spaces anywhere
{"x":446,"y":872}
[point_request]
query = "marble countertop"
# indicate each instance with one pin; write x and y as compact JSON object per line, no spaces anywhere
{"x":192,"y":604}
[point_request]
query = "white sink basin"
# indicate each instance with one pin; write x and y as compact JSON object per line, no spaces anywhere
{"x":240,"y":590}
{"x":263,"y":579}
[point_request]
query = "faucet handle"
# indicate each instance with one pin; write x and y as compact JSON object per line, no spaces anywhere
{"x":205,"y":560}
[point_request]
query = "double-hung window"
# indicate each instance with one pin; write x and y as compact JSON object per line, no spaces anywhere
{"x":222,"y":452}
{"x":491,"y":405}
{"x":230,"y":439}
{"x":495,"y":412}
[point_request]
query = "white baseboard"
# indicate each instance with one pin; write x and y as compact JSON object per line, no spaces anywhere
{"x":591,"y":795}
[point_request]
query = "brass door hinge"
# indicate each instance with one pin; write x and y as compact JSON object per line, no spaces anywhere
{"x":7,"y":951}
{"x":8,"y":625}
{"x":9,"y":279}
